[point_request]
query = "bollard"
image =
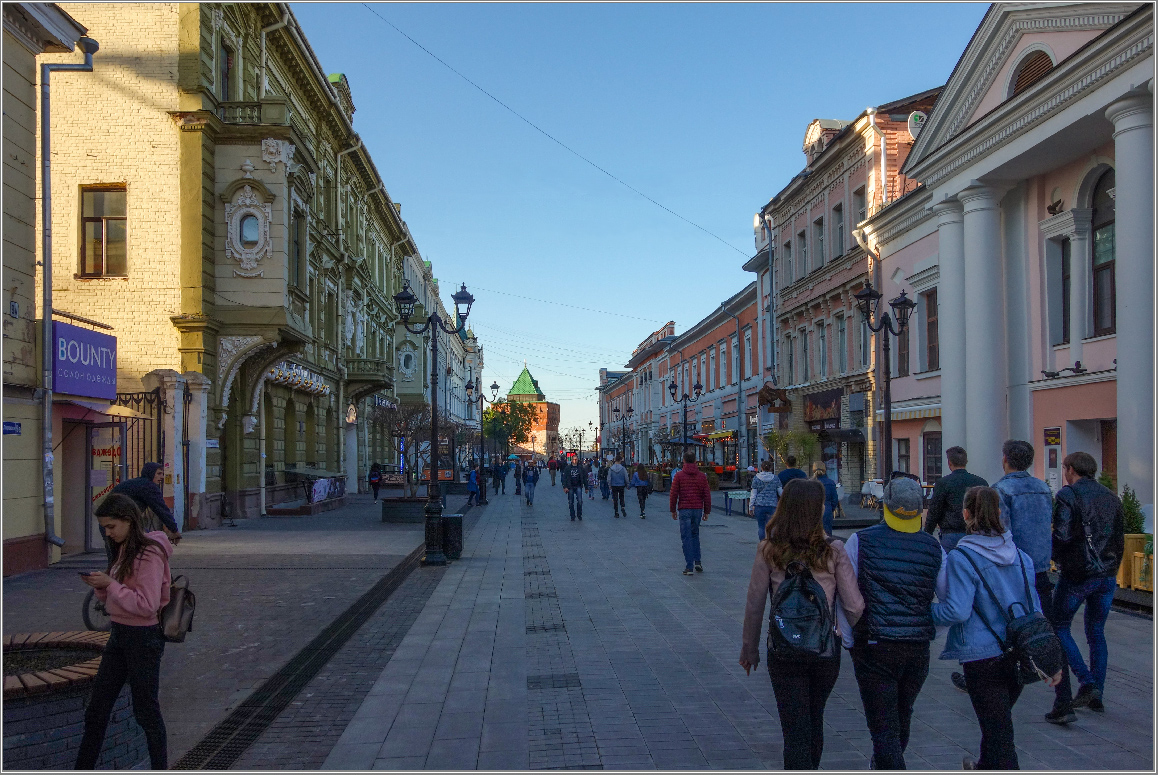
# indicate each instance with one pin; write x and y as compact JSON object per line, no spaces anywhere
{"x":452,"y":536}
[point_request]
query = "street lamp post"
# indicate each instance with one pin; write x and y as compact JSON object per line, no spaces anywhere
{"x":868,"y":300}
{"x":623,"y":428}
{"x":405,"y":301}
{"x":482,"y":401}
{"x":684,"y":399}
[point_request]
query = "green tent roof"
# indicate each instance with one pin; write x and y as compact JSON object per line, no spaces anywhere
{"x":526,"y":385}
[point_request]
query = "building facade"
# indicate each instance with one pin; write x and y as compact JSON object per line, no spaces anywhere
{"x":544,"y":440}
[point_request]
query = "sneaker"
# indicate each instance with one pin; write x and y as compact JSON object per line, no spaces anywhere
{"x":643,"y":516}
{"x":1085,"y":695}
{"x":968,"y":764}
{"x":617,"y":515}
{"x":687,"y":571}
{"x":1061,"y":716}
{"x":959,"y":682}
{"x":1096,"y":705}
{"x":572,"y":519}
{"x":699,"y":568}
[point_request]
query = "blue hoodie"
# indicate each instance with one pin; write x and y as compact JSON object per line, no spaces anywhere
{"x":966,"y":606}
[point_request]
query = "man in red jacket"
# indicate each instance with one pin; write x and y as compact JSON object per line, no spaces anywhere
{"x":690,"y":499}
{"x":553,"y":467}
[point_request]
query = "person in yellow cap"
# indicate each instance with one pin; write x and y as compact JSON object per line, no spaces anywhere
{"x":898,"y":566}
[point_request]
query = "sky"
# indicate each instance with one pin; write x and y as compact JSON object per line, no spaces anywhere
{"x":701,"y":107}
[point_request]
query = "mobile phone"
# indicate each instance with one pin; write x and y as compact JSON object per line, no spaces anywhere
{"x":84,"y":572}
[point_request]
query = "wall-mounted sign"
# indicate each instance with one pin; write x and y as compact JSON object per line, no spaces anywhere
{"x":84,"y":363}
{"x":11,"y":428}
{"x":444,"y":474}
{"x":824,"y":405}
{"x":917,"y":121}
{"x":212,"y":443}
{"x":1053,"y":437}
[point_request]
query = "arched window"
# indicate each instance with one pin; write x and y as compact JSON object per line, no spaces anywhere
{"x":1103,"y":258}
{"x":1031,"y":70}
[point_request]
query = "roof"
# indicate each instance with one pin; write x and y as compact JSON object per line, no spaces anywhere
{"x":526,"y":385}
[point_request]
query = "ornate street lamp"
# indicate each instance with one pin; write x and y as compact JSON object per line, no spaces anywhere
{"x":685,"y":399}
{"x":623,"y":428}
{"x":868,"y":301}
{"x":405,"y":300}
{"x":482,"y":400}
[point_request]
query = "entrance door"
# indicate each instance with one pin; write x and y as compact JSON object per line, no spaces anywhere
{"x":1110,"y":449}
{"x":107,"y":467}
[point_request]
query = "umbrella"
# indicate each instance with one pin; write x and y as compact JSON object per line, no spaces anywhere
{"x":512,"y":457}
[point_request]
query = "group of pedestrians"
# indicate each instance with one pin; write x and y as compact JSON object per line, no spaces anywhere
{"x":580,"y":477}
{"x":767,"y":487}
{"x":885,"y":591}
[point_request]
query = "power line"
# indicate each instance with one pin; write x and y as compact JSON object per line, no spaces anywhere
{"x":551,"y":137}
{"x":572,"y":306}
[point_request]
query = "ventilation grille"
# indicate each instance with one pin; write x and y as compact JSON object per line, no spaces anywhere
{"x":1035,"y":67}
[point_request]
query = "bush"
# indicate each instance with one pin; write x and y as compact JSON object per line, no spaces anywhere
{"x":713,"y":480}
{"x":1135,"y":519}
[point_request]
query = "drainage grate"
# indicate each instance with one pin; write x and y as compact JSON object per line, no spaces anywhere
{"x":225,"y":743}
{"x":531,"y":628}
{"x":554,"y":681}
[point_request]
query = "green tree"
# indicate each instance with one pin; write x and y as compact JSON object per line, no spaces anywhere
{"x":509,"y":422}
{"x":1135,"y":519}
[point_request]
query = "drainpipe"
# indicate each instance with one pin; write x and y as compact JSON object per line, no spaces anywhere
{"x":265,"y":31}
{"x":741,"y":420}
{"x":338,"y":182}
{"x":89,"y":47}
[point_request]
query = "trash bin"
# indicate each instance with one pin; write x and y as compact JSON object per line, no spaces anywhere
{"x":452,"y":536}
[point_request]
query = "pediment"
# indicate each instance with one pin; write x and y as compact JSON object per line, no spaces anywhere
{"x":1008,"y":33}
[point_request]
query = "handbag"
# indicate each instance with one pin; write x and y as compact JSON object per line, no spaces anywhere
{"x":1030,"y":639}
{"x":176,"y":616}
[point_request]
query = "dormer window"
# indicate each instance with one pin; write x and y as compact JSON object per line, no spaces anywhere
{"x":1031,"y":70}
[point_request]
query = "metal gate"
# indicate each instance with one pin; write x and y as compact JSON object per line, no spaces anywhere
{"x":144,"y":436}
{"x":187,"y":400}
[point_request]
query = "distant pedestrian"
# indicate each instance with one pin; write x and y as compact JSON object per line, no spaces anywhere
{"x":802,"y":682}
{"x":518,"y":477}
{"x":375,"y":479}
{"x":530,"y":479}
{"x":617,"y":480}
{"x":690,"y":500}
{"x":642,"y":487}
{"x":1089,"y":536}
{"x":987,"y":575}
{"x":897,"y":566}
{"x":472,"y":486}
{"x":134,"y":588}
{"x":948,"y":495}
{"x":553,"y":467}
{"x":766,"y":490}
{"x":498,"y":477}
{"x":791,"y":472}
{"x":831,"y":495}
{"x":601,"y":476}
{"x":573,"y":482}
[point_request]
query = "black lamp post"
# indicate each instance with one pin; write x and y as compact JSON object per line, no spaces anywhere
{"x":482,"y":401}
{"x":405,"y":301}
{"x":623,"y":428}
{"x":673,"y":389}
{"x":868,"y":300}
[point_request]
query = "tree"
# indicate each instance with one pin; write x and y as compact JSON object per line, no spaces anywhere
{"x":509,"y":422}
{"x":412,"y":421}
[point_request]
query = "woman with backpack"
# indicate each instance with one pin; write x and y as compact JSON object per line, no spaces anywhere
{"x":642,"y":487}
{"x":766,"y":489}
{"x":134,"y":589}
{"x":805,"y":573}
{"x":987,"y":583}
{"x":375,"y":479}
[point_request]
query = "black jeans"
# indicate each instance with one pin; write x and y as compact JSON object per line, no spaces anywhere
{"x":374,"y":488}
{"x":133,"y":654}
{"x":617,"y":498}
{"x":641,"y":494}
{"x":802,"y":690}
{"x":993,"y":688}
{"x":890,"y":675}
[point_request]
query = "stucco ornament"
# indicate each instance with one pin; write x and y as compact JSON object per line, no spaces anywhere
{"x":350,"y":311}
{"x":249,"y":248}
{"x":360,"y":332}
{"x":407,"y":362}
{"x":274,"y":151}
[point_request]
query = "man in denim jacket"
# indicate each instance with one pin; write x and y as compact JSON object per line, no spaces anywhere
{"x":1027,"y":510}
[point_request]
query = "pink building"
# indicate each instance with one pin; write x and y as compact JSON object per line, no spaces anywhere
{"x":1029,"y":248}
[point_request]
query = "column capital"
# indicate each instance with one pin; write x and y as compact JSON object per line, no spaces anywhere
{"x":980,"y":196}
{"x":1132,"y":112}
{"x":948,"y":211}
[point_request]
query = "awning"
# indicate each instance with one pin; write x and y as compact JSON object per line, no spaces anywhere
{"x":913,"y":412}
{"x":721,"y":435}
{"x":851,"y":435}
{"x":110,"y":410}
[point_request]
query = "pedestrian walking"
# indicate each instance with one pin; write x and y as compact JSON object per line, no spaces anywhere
{"x":987,"y":575}
{"x":765,"y":494}
{"x":690,"y":500}
{"x":589,"y":479}
{"x":948,"y":495}
{"x":573,"y":481}
{"x":133,"y":589}
{"x":472,"y":485}
{"x":791,"y":472}
{"x":831,"y":496}
{"x":530,"y":479}
{"x":642,"y":487}
{"x":497,"y":477}
{"x":553,"y":467}
{"x":617,"y":480}
{"x":375,"y":479}
{"x":601,"y":476}
{"x":802,"y":678}
{"x":518,"y":477}
{"x":146,"y":492}
{"x":897,"y":566}
{"x":1089,"y":536}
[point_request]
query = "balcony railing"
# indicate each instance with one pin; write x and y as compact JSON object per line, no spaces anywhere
{"x":368,"y":370}
{"x":239,"y":112}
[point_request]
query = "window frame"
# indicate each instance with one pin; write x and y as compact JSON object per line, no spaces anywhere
{"x":904,"y":453}
{"x":1066,"y":274}
{"x":802,"y":252}
{"x":805,"y":373}
{"x":225,"y":70}
{"x":931,"y":462}
{"x":932,"y":331}
{"x":860,"y":203}
{"x":842,"y":342}
{"x":103,"y":220}
{"x":837,"y":230}
{"x":818,"y":242}
{"x":821,"y":349}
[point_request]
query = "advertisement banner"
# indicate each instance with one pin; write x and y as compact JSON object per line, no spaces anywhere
{"x":824,"y":405}
{"x":84,"y":362}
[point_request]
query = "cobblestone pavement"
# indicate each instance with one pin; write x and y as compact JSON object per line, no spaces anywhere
{"x":560,"y":644}
{"x":264,"y":590}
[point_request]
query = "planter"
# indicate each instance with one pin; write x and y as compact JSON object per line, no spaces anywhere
{"x":1143,"y":571}
{"x":1135,"y":542}
{"x":44,"y":708}
{"x":404,"y":510}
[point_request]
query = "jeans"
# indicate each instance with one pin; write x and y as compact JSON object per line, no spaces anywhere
{"x":617,"y":498}
{"x":827,"y":520}
{"x":763,"y":514}
{"x":690,"y":535}
{"x":590,"y":491}
{"x":530,"y":488}
{"x":993,"y":689}
{"x":604,"y":489}
{"x":132,"y":654}
{"x":949,"y":540}
{"x":802,"y":690}
{"x":890,"y":675}
{"x":1097,"y":594}
{"x":471,"y":497}
{"x":552,"y":470}
{"x":641,"y":495}
{"x":575,"y":499}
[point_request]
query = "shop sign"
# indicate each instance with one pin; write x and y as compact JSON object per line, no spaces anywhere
{"x":84,"y":362}
{"x":707,"y":426}
{"x":824,"y":405}
{"x":1053,"y":437}
{"x":444,"y":474}
{"x":824,"y":425}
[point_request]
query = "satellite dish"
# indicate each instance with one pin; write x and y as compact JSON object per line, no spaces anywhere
{"x":917,"y":121}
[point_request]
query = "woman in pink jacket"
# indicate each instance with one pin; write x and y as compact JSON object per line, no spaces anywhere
{"x":134,"y":590}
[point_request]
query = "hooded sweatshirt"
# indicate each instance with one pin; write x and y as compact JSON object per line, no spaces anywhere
{"x":766,"y":489}
{"x":148,"y":495}
{"x":145,"y":591}
{"x":967,"y":607}
{"x":617,"y":476}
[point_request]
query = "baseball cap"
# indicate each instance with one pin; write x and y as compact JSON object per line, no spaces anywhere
{"x":903,"y":502}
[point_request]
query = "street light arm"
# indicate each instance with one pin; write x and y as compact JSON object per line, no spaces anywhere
{"x":425,"y":327}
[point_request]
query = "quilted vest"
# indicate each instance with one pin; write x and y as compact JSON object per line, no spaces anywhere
{"x":897,"y":575}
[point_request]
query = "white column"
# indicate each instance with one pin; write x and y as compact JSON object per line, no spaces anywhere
{"x":1134,"y":268}
{"x":198,"y":410}
{"x":986,"y":410}
{"x":951,"y":320}
{"x":1080,"y":264}
{"x":172,"y":386}
{"x":353,"y":477}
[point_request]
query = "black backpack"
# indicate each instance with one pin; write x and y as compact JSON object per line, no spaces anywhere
{"x":1030,"y":639}
{"x":800,"y":624}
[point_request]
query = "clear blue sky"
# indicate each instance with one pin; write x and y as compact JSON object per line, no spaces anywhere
{"x":701,"y":107}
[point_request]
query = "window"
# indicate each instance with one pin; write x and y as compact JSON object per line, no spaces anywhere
{"x":297,"y":249}
{"x":842,"y":343}
{"x":790,"y":346}
{"x":249,"y":232}
{"x":103,"y":251}
{"x":801,"y":254}
{"x":818,"y":241}
{"x":932,"y":342}
{"x":902,"y":456}
{"x":903,"y":352}
{"x":1104,"y":294}
{"x":1031,"y":70}
{"x":711,"y":368}
{"x":735,"y":361}
{"x":932,"y":444}
{"x":822,"y":345}
{"x":225,"y":66}
{"x":788,"y":262}
{"x":723,"y":364}
{"x":747,"y":355}
{"x":804,"y":375}
{"x":1065,"y":291}
{"x":865,"y":343}
{"x":838,"y":231}
{"x":858,"y":204}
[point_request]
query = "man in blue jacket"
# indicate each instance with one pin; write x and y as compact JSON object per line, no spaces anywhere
{"x":791,"y":472}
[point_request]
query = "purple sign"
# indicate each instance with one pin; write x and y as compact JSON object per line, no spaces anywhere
{"x":84,"y":362}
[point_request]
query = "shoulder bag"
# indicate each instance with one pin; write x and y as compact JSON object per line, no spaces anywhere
{"x":176,"y":616}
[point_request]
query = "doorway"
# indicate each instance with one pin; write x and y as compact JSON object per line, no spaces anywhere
{"x":1109,"y":434}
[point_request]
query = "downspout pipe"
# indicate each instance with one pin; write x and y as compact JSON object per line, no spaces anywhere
{"x":741,"y":428}
{"x":89,"y":47}
{"x":338,"y":182}
{"x":265,"y":31}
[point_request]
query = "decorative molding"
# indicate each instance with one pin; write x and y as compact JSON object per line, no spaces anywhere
{"x":246,"y":204}
{"x":924,"y":280}
{"x":232,"y":352}
{"x":1074,"y":222}
{"x":274,"y":151}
